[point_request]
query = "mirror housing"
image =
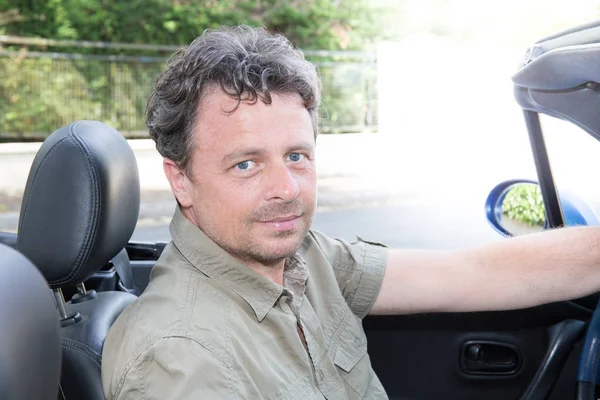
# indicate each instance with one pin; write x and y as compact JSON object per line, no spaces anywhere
{"x":576,"y":211}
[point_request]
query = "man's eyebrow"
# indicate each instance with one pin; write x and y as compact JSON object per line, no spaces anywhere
{"x":306,"y":146}
{"x":253,"y":152}
{"x":243,"y":154}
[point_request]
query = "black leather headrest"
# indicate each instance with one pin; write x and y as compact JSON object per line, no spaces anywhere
{"x":30,"y":343}
{"x":81,"y":202}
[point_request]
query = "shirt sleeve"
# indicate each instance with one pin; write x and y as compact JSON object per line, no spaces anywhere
{"x":178,"y":368}
{"x":359,"y":268}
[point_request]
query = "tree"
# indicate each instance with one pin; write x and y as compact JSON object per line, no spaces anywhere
{"x":30,"y":104}
{"x":310,"y":24}
{"x":9,"y":16}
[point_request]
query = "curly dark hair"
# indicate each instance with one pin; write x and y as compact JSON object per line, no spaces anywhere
{"x":247,"y":63}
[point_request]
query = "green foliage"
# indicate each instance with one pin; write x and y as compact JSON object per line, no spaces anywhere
{"x":28,"y":95}
{"x":39,"y":95}
{"x":524,"y":203}
{"x":310,"y":24}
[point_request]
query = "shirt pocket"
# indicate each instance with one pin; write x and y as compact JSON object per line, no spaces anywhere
{"x":351,"y":358}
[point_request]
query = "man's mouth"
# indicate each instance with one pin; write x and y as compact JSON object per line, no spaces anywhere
{"x":283,"y":219}
{"x":283,"y":223}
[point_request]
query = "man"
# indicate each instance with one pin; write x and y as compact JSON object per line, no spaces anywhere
{"x":247,"y":302}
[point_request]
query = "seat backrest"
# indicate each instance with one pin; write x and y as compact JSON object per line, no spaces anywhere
{"x":80,"y":207}
{"x":30,"y":348}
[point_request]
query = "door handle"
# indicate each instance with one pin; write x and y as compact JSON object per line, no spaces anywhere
{"x":489,"y":358}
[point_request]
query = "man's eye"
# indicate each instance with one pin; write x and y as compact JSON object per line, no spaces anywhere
{"x":295,"y":157}
{"x":245,"y":165}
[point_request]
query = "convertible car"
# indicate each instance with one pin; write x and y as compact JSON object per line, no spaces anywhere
{"x":81,"y":204}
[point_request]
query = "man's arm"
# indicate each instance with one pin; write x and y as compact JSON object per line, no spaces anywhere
{"x":516,"y":273}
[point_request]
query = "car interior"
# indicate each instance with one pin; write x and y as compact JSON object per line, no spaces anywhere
{"x":81,"y":205}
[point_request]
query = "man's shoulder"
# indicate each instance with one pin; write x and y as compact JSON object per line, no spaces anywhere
{"x":314,"y":241}
{"x":174,"y":305}
{"x":180,"y":303}
{"x":340,"y":252}
{"x":320,"y":248}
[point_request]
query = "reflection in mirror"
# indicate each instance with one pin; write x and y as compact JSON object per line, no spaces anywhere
{"x":523,"y":209}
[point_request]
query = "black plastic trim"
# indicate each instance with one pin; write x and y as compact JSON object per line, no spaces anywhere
{"x":554,"y":216}
{"x":145,"y":251}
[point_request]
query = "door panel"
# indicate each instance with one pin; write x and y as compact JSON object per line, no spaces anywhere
{"x":422,"y":356}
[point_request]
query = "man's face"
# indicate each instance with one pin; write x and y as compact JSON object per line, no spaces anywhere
{"x":251,"y":182}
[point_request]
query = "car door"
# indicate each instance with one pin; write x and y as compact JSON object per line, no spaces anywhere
{"x":521,"y":354}
{"x":524,"y":354}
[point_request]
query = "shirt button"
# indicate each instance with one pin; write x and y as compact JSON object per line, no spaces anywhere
{"x":357,"y":341}
{"x":321,"y":375}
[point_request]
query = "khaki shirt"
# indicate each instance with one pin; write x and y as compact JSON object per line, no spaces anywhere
{"x":208,"y":327}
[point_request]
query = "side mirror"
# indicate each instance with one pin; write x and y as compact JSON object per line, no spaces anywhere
{"x":516,"y":207}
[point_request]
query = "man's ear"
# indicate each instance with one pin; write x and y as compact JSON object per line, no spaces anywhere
{"x":179,"y":182}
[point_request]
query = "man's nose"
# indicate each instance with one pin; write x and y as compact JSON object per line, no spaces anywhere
{"x":281,"y":184}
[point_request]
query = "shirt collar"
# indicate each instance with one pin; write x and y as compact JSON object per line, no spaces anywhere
{"x":208,"y":257}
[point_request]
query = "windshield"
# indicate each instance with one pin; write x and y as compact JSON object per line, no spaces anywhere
{"x":574,"y":158}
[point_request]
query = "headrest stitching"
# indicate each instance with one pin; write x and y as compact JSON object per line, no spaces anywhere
{"x":83,"y":254}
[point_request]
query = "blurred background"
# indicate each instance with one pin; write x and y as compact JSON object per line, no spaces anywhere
{"x":418,"y":120}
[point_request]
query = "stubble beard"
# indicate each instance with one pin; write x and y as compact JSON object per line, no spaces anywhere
{"x":269,"y":250}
